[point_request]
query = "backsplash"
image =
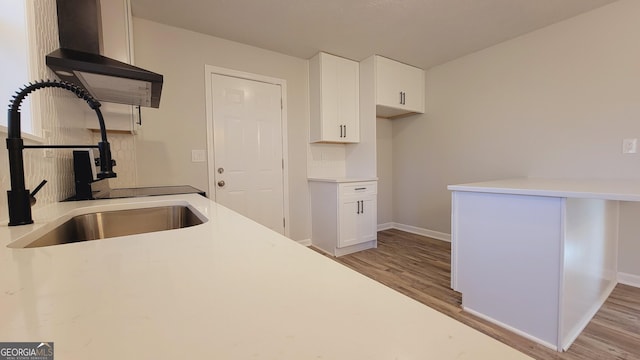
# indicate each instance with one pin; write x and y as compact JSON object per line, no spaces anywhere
{"x":326,"y":160}
{"x":62,"y":119}
{"x":123,"y":148}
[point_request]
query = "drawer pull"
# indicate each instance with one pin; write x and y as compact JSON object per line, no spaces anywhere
{"x":364,"y":188}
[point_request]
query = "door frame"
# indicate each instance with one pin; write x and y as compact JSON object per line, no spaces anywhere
{"x":210,"y":70}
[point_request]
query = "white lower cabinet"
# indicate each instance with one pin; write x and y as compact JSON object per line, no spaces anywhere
{"x":343,"y":215}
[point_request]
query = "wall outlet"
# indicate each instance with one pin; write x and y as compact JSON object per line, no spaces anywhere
{"x":198,"y":156}
{"x":629,"y":146}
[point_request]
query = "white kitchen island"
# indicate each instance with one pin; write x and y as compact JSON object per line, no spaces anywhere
{"x":537,"y":256}
{"x":227,"y":289}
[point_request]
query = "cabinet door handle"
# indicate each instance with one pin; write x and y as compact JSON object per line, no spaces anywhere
{"x":345,"y":131}
{"x":361,"y":206}
{"x":340,"y":130}
{"x":400,"y":97}
{"x":358,"y":207}
{"x":139,"y":116}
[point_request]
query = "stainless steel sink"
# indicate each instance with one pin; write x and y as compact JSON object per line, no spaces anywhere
{"x":108,"y":224}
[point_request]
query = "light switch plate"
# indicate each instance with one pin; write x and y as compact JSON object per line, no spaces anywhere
{"x":629,"y":146}
{"x":198,"y":156}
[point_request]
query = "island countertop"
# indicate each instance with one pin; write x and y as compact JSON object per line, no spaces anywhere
{"x":227,"y":289}
{"x":611,"y":189}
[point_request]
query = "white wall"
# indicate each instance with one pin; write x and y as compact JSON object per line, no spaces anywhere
{"x":556,"y":102}
{"x":170,"y":133}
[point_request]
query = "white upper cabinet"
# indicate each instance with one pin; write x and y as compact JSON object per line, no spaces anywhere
{"x":117,"y":34}
{"x":334,"y":99}
{"x":117,"y":43}
{"x":399,"y":88}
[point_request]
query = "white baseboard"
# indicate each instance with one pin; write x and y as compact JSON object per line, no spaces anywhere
{"x":416,"y":230}
{"x":386,"y":226}
{"x":305,"y":242}
{"x":629,"y":279}
{"x":512,"y":329}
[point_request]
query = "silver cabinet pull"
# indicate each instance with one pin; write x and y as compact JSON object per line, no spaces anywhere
{"x":221,"y":183}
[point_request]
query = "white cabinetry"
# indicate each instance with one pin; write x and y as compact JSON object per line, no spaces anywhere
{"x":399,"y":88}
{"x":334,"y":99}
{"x":344,"y":215}
{"x":117,"y":43}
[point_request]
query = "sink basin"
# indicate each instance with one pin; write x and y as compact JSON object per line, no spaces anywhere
{"x":108,"y":224}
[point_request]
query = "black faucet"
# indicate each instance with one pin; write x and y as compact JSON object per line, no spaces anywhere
{"x":19,"y":198}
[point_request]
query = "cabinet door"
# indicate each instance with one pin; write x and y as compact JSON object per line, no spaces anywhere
{"x":348,"y":218}
{"x":334,"y":99}
{"x":358,"y":220}
{"x":117,"y":43}
{"x":348,"y":100}
{"x":399,"y":88}
{"x":368,"y":219}
{"x":117,"y":117}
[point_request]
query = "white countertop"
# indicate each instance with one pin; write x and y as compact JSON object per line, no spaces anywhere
{"x":342,"y":180}
{"x":226,"y":289}
{"x":623,"y":190}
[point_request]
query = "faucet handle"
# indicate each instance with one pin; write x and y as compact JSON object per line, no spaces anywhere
{"x":32,"y":196}
{"x":98,"y":161}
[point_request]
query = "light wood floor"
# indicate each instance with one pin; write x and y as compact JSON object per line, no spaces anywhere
{"x":419,"y":267}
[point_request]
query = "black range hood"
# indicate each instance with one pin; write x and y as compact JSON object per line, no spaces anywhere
{"x":79,"y":60}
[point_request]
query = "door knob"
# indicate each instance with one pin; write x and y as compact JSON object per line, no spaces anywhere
{"x":221,"y":183}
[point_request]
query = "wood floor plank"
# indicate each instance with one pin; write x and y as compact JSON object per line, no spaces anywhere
{"x":420,"y":267}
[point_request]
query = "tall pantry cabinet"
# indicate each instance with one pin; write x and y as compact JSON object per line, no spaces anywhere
{"x":344,"y":208}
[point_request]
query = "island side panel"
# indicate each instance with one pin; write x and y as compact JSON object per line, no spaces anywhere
{"x":590,"y":262}
{"x":508,"y":260}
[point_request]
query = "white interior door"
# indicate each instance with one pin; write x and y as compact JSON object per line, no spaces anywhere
{"x":247,"y":133}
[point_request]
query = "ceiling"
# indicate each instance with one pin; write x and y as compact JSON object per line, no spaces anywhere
{"x":423,"y":33}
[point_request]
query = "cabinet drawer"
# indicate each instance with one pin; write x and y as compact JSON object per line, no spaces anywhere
{"x":363,"y":188}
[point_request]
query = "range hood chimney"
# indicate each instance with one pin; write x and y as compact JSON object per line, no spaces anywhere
{"x":79,"y":59}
